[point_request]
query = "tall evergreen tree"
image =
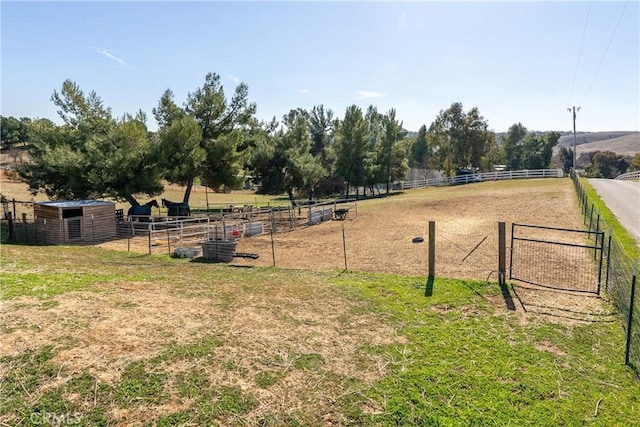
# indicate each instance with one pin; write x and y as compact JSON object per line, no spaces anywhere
{"x":222,"y":125}
{"x":391,"y":156}
{"x":92,"y":155}
{"x":352,"y":142}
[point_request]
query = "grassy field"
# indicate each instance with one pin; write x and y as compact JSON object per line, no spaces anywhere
{"x":102,"y":337}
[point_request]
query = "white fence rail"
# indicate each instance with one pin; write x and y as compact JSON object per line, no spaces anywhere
{"x":629,"y":176}
{"x":479,"y":177}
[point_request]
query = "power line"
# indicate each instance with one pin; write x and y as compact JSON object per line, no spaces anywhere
{"x":605,"y":51}
{"x":584,"y":32}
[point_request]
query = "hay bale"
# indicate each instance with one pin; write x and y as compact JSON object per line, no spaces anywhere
{"x":219,"y":250}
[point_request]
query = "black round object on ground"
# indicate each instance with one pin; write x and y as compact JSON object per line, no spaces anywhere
{"x":418,"y":240}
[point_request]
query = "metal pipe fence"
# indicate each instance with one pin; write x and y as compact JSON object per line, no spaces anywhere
{"x":619,"y":275}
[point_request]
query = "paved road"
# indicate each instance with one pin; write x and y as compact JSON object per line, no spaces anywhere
{"x":623,"y":198}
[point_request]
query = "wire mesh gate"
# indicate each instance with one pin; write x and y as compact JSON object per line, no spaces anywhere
{"x":557,"y":258}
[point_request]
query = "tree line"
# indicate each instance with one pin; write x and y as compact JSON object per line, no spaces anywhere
{"x":217,"y":139}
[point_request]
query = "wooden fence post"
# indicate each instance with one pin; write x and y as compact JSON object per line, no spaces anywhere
{"x":11,"y":230}
{"x":344,"y":247}
{"x":432,"y":249}
{"x":25,"y":229}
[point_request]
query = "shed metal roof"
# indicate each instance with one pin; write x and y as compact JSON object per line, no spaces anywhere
{"x":74,"y":203}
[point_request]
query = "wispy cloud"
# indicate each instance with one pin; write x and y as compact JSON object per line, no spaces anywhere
{"x":366,"y":94}
{"x":235,"y":79}
{"x":108,"y":53}
{"x":305,"y":91}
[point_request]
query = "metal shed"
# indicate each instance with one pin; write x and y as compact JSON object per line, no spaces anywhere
{"x":75,"y":221}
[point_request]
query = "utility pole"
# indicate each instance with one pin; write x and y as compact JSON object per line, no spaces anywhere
{"x":574,"y":135}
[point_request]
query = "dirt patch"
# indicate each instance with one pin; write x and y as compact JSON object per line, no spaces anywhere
{"x":551,"y":348}
{"x":378,"y":234}
{"x":101,"y":333}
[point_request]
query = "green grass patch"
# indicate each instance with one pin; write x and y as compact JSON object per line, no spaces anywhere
{"x":203,"y":348}
{"x":48,"y":284}
{"x":465,"y":366}
{"x":266,"y":379}
{"x":460,"y":357}
{"x":139,"y":383}
{"x":628,"y":243}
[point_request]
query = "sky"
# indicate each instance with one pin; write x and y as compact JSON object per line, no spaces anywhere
{"x":515,"y":61}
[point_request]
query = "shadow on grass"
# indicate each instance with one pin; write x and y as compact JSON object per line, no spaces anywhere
{"x":561,"y":304}
{"x":508,"y":299}
{"x":428,"y":289}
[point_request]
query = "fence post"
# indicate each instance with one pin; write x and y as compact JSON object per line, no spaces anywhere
{"x":601,"y":234}
{"x":432,"y":249}
{"x":11,"y":230}
{"x":606,"y":282}
{"x":591,"y":217}
{"x":344,"y":248}
{"x":168,"y":241}
{"x":224,"y":229}
{"x":502,"y":251}
{"x":630,"y":323}
{"x":25,"y":228}
{"x":149,"y":227}
{"x":93,"y":239}
{"x":273,"y":250}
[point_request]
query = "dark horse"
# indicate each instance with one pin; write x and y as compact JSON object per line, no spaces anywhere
{"x":142,"y":210}
{"x":176,"y":209}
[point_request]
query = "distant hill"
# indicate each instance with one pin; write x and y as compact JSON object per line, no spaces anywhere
{"x":591,"y":137}
{"x":624,"y":143}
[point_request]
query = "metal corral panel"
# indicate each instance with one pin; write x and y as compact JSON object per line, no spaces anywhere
{"x":315,"y":217}
{"x":230,"y":231}
{"x":327,"y":214}
{"x":253,"y":228}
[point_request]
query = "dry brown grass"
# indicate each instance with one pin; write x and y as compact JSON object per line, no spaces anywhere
{"x":268,"y":325}
{"x":266,"y":331}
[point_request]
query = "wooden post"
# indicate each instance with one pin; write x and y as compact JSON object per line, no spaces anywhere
{"x":432,"y":249}
{"x":344,"y":248}
{"x":25,"y":228}
{"x":502,"y":252}
{"x":11,"y":230}
{"x":14,"y":208}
